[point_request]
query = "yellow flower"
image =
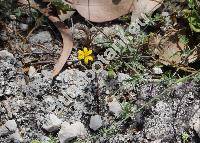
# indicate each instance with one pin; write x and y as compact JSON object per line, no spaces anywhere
{"x":85,"y":55}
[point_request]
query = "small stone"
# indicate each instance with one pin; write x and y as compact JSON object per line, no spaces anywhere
{"x":115,"y":107}
{"x":13,"y":17}
{"x":16,"y":137}
{"x":107,"y":92}
{"x":157,"y":70}
{"x":69,"y":132}
{"x":95,"y":122}
{"x":41,"y":37}
{"x":11,"y":125}
{"x":23,"y":26}
{"x":4,"y":131}
{"x":52,"y":123}
{"x":32,"y":71}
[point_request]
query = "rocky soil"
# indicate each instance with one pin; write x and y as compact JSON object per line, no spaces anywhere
{"x":66,"y":107}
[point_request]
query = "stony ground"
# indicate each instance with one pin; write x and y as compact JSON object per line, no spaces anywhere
{"x":36,"y":108}
{"x":66,"y":107}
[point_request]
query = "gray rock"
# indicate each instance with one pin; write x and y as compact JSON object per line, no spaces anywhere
{"x":69,"y":132}
{"x":23,"y":26}
{"x":195,"y":122}
{"x":8,"y":128}
{"x":95,"y":122}
{"x":41,"y":37}
{"x":74,"y":83}
{"x":160,"y":124}
{"x":6,"y":56}
{"x":9,"y":82}
{"x":52,"y":123}
{"x":115,"y":107}
{"x":11,"y":125}
{"x":32,"y":71}
{"x":16,"y":137}
{"x":4,"y":131}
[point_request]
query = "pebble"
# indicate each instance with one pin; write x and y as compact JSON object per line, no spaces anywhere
{"x":41,"y":37}
{"x":157,"y":70}
{"x":52,"y":123}
{"x":11,"y":125}
{"x":32,"y":71}
{"x":115,"y":107}
{"x":23,"y":27}
{"x":95,"y":122}
{"x":69,"y":132}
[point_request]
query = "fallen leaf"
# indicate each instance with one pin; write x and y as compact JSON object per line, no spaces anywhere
{"x":102,"y":10}
{"x":144,"y":7}
{"x":107,"y":10}
{"x":170,"y":50}
{"x":67,"y":44}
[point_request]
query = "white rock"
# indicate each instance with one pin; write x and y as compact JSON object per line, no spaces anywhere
{"x":69,"y":132}
{"x":4,"y":131}
{"x":11,"y":125}
{"x":23,"y":26}
{"x":195,"y":122}
{"x":52,"y":123}
{"x":32,"y":71}
{"x":157,"y":70}
{"x":16,"y":137}
{"x":95,"y":122}
{"x":115,"y":107}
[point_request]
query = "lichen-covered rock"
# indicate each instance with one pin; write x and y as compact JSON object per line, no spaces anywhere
{"x":52,"y":123}
{"x":69,"y":132}
{"x":160,"y":124}
{"x":9,"y":77}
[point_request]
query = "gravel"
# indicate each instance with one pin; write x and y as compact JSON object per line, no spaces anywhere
{"x":115,"y":107}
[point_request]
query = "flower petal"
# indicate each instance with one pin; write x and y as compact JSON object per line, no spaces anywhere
{"x":89,"y":52}
{"x":90,"y":58}
{"x":80,"y":55}
{"x":85,"y":50}
{"x":87,"y":59}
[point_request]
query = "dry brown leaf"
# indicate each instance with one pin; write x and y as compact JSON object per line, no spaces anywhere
{"x":170,"y":50}
{"x":67,"y":44}
{"x":144,"y":7}
{"x":103,"y":10}
{"x":107,"y":10}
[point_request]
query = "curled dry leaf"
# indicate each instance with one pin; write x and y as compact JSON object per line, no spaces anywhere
{"x":171,"y":51}
{"x":67,"y":44}
{"x":65,"y":33}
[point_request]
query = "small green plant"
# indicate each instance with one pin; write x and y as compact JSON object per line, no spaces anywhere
{"x":60,"y":5}
{"x":183,"y":39}
{"x":193,"y":15}
{"x":127,"y":109}
{"x":36,"y":141}
{"x":185,"y":137}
